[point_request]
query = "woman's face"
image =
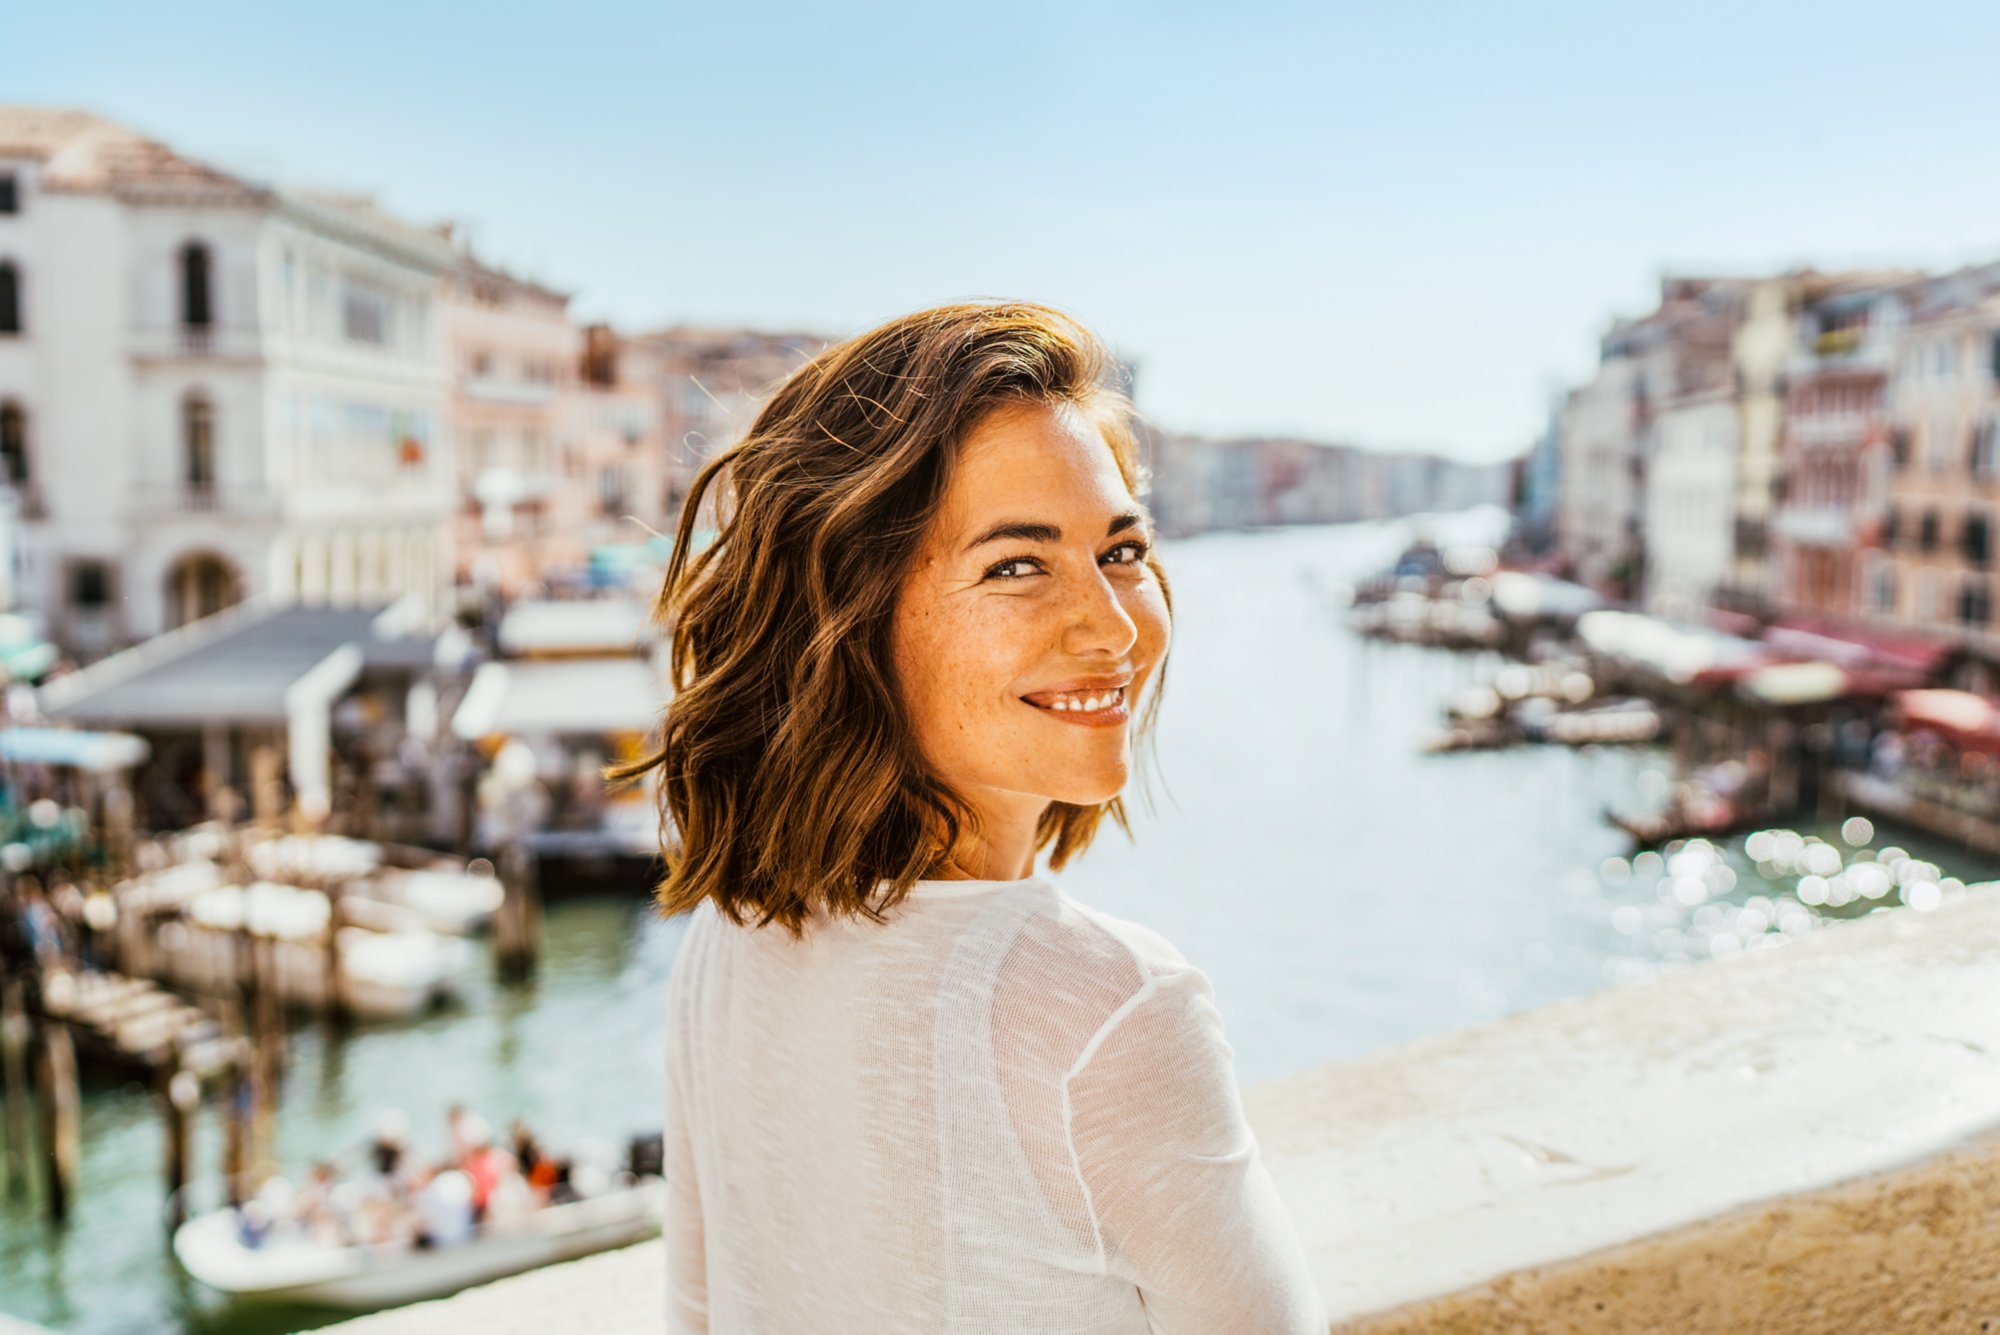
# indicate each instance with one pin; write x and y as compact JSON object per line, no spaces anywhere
{"x":1029,"y":624}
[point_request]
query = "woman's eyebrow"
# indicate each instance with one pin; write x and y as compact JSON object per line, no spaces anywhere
{"x":1026,"y":531}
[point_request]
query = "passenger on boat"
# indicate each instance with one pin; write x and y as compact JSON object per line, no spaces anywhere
{"x":388,"y":1153}
{"x":537,"y":1168}
{"x":256,"y":1217}
{"x":481,"y":1161}
{"x":383,"y":1212}
{"x":444,"y":1209}
{"x":316,"y":1207}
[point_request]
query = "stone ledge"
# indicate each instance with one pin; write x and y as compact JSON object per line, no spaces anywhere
{"x":1525,"y":1169}
{"x":1801,"y":1140}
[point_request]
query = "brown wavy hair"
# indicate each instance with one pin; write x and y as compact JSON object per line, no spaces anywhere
{"x":790,"y":775}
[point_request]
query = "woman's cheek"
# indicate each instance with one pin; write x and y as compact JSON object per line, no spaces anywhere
{"x":1151,"y":619}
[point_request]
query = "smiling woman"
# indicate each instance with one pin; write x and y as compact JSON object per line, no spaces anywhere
{"x":912,"y":1085}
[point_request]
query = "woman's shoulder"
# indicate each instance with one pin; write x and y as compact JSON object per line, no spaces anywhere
{"x":1072,"y":969}
{"x":1106,"y":934}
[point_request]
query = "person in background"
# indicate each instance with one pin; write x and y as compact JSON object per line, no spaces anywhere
{"x":484,"y":1163}
{"x":444,"y":1209}
{"x":537,"y":1168}
{"x":316,"y":1211}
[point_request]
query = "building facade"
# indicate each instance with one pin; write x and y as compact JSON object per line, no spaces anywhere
{"x":210,"y":389}
{"x":1934,"y":569}
{"x":710,"y":384}
{"x":1836,"y":453}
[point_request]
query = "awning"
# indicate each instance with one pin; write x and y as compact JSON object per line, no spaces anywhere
{"x":1794,"y":683}
{"x":575,"y":626}
{"x":98,"y":752}
{"x":233,"y":668}
{"x":1967,"y":721}
{"x":1524,"y":594}
{"x":591,"y":696}
{"x":1676,"y":652}
{"x":1806,"y":639}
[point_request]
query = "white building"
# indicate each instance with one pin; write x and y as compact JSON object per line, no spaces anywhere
{"x":210,"y":388}
{"x":1690,"y":503}
{"x":1599,"y":478}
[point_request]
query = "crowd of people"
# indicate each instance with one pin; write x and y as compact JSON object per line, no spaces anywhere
{"x":400,"y":1199}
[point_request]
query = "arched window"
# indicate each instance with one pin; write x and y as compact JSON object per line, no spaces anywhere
{"x":10,"y":298}
{"x":200,"y":584}
{"x":13,"y":444}
{"x":198,"y":446}
{"x":195,"y":306}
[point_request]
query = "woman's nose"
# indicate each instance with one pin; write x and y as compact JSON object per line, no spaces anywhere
{"x":1097,"y":620}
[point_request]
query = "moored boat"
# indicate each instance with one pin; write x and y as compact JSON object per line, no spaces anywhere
{"x":289,"y":1267}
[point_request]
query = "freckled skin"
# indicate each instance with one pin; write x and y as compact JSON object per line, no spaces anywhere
{"x":970,"y":640}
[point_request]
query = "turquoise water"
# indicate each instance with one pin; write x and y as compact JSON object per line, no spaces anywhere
{"x":1343,"y":891}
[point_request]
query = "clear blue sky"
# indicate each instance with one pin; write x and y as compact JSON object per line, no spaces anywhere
{"x":1398,"y":225}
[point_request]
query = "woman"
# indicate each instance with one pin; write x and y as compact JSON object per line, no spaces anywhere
{"x":913,"y":1086}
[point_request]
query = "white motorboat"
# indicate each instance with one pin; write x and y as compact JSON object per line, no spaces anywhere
{"x":446,"y":894}
{"x":385,"y":974}
{"x":290,"y":1268}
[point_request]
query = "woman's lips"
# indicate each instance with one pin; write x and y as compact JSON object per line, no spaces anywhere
{"x":1103,"y":708}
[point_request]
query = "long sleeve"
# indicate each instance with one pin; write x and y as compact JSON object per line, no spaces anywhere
{"x":685,"y":1236}
{"x":1184,"y":1207}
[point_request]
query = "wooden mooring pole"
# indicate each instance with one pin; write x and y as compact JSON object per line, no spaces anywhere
{"x":59,"y":1107}
{"x":517,"y":925}
{"x":14,"y":1033}
{"x":180,"y":1100}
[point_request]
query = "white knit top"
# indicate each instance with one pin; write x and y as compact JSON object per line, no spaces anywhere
{"x":1000,"y":1111}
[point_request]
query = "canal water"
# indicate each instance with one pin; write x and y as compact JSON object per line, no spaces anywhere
{"x":1344,"y":892}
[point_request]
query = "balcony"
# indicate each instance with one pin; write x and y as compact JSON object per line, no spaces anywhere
{"x":179,"y":342}
{"x":171,"y":499}
{"x":502,"y":390}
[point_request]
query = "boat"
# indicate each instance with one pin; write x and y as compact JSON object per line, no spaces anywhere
{"x":288,"y":1267}
{"x":447,"y":894}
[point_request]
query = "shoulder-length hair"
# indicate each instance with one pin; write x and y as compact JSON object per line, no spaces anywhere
{"x":789,"y":772}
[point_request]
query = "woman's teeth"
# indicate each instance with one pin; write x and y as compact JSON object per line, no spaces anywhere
{"x":1088,"y":703}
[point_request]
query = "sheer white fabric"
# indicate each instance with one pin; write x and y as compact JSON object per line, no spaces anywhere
{"x":1002,"y":1111}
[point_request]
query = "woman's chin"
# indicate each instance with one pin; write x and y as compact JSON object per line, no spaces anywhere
{"x":1093,"y":791}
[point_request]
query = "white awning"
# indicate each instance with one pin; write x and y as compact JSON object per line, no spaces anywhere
{"x":576,"y":695}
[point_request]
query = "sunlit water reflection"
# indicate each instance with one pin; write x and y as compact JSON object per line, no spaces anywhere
{"x":1344,"y":891}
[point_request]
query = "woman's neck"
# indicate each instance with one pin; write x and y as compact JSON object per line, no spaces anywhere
{"x":992,"y":851}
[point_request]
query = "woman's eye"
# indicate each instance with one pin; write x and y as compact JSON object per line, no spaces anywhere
{"x":1006,"y":569}
{"x":1137,"y":549}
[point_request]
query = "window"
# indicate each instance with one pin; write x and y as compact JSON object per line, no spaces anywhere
{"x":89,"y":585}
{"x":198,"y":444}
{"x":1975,"y":602}
{"x":1927,"y":532}
{"x":610,"y":490}
{"x":1890,"y":523}
{"x":1985,"y":450}
{"x":195,"y":309}
{"x":364,"y":314}
{"x":10,"y":298}
{"x":1973,"y":540}
{"x":1885,"y":589}
{"x":13,"y":444}
{"x":10,"y":196}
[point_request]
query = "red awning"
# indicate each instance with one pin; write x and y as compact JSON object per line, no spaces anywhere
{"x":1805,"y":638}
{"x":1966,"y":721}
